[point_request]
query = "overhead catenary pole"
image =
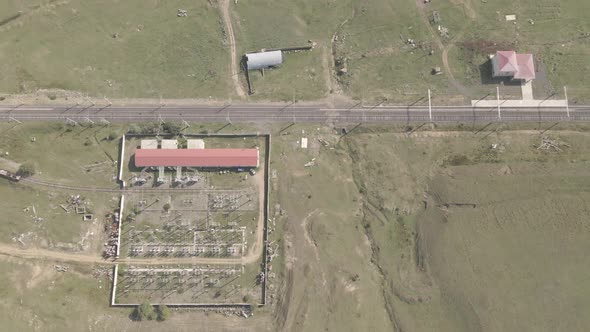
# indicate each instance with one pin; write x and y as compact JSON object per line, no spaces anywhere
{"x":429,"y":106}
{"x":498,"y":100}
{"x":567,"y":103}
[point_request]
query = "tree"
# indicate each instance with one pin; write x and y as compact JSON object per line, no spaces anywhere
{"x":25,"y":170}
{"x":144,"y":311}
{"x":166,"y":207}
{"x":112,"y":136}
{"x":163,"y":312}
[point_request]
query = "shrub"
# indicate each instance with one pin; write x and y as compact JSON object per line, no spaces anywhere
{"x":171,"y":128}
{"x":167,"y":207}
{"x":144,"y":311}
{"x":133,"y":129}
{"x":26,"y":170}
{"x":163,"y":312}
{"x":112,"y":136}
{"x":457,"y":160}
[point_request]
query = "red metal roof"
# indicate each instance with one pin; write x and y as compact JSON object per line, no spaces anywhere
{"x":521,"y":66}
{"x":197,"y":157}
{"x":526,"y":67}
{"x":507,"y":61}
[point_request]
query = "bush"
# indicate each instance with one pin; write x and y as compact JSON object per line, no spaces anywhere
{"x":112,"y":136}
{"x":144,"y":311}
{"x":457,"y":160}
{"x":252,"y":305}
{"x":167,"y":207}
{"x":163,"y":312}
{"x":133,"y":129}
{"x":171,"y":128}
{"x":26,"y":170}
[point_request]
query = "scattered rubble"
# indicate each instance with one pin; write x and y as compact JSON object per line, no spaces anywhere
{"x":548,"y":144}
{"x":61,"y":268}
{"x":443,"y":31}
{"x":112,"y":227}
{"x":182,"y":13}
{"x":103,"y":271}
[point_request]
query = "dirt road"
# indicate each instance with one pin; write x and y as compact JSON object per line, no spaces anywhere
{"x":45,"y":254}
{"x":229,"y":30}
{"x":256,"y":250}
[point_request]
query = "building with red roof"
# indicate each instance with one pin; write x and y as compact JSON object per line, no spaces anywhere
{"x":511,"y":64}
{"x":222,"y":158}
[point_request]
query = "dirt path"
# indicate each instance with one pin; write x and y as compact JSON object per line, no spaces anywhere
{"x":445,"y":49}
{"x":255,"y":250}
{"x":229,"y":30}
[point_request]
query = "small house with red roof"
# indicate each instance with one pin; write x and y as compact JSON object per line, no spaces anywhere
{"x":512,"y":64}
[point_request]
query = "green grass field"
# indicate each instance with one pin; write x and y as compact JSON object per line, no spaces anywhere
{"x":75,"y":156}
{"x":369,"y":244}
{"x":79,"y":156}
{"x":70,"y":46}
{"x":514,"y":262}
{"x":303,"y":75}
{"x":558,"y":38}
{"x":57,"y":229}
{"x":36,"y":297}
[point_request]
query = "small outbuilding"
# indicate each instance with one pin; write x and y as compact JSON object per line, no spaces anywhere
{"x":149,"y":144}
{"x":195,"y":144}
{"x":169,"y":144}
{"x":263,"y":60}
{"x":512,"y":64}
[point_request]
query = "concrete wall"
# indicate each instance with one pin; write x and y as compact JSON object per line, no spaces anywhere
{"x":122,"y":161}
{"x":121,"y":206}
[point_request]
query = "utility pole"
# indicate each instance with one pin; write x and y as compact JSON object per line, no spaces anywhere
{"x":429,"y":106}
{"x":498,"y":100}
{"x":567,"y":103}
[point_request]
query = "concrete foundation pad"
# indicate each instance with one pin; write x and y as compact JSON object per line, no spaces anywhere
{"x":527,"y":90}
{"x":519,"y":103}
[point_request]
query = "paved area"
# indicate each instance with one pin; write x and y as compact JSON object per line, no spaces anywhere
{"x":514,"y":103}
{"x":527,"y":90}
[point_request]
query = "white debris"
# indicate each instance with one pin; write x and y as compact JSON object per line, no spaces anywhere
{"x":304,"y":143}
{"x":510,"y":17}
